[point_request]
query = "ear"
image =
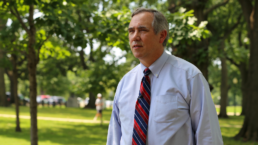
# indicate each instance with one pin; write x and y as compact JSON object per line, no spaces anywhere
{"x":163,"y":35}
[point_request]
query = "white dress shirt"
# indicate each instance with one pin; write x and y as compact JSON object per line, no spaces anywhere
{"x":181,"y":111}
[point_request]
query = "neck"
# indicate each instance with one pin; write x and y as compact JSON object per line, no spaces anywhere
{"x":150,"y":61}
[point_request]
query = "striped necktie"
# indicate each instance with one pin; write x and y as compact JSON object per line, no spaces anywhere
{"x":142,"y":107}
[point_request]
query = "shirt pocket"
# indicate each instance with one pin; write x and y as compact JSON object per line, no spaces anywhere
{"x":166,"y":108}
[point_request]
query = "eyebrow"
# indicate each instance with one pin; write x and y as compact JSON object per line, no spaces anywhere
{"x":139,"y":27}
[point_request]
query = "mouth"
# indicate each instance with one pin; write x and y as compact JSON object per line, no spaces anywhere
{"x":137,"y":46}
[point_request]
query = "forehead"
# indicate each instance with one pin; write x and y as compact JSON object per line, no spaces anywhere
{"x":142,"y":19}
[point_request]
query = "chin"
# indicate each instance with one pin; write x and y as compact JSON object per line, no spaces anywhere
{"x":137,"y":55}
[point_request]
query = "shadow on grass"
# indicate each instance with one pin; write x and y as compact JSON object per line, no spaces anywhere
{"x":58,"y":132}
{"x":232,"y":141}
{"x":230,"y":127}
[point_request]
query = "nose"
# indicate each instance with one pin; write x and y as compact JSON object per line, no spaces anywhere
{"x":135,"y":36}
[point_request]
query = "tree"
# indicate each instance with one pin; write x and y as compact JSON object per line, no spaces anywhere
{"x":197,"y":51}
{"x":14,"y":79}
{"x":16,"y":59}
{"x":249,"y":130}
{"x":3,"y":99}
{"x":19,"y":9}
{"x":222,"y":22}
{"x":239,"y":58}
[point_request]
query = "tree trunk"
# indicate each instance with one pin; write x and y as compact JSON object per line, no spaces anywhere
{"x":32,"y":67}
{"x":249,"y":130}
{"x":3,"y":99}
{"x":244,"y":77}
{"x":15,"y":92}
{"x":33,"y":94}
{"x":10,"y":76}
{"x":32,"y":59}
{"x":92,"y":100}
{"x":223,"y":89}
{"x":244,"y":87}
{"x":224,"y":81}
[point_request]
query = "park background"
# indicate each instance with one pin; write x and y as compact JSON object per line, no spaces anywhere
{"x":74,"y":49}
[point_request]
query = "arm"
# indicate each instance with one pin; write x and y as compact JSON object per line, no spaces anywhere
{"x":114,"y":129}
{"x":203,"y":113}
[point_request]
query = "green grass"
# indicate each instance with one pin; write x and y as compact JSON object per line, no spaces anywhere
{"x":53,"y":133}
{"x":71,"y":113}
{"x":73,"y":133}
{"x":231,"y":109}
{"x":230,"y":127}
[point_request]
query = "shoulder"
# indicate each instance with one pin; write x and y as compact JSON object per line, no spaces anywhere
{"x":127,"y":77}
{"x":132,"y":72}
{"x":182,"y":65}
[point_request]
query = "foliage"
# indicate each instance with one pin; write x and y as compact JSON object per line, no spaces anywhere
{"x":183,"y":29}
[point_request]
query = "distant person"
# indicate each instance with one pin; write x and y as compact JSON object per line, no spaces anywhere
{"x":164,"y":100}
{"x":99,"y":106}
{"x":42,"y":103}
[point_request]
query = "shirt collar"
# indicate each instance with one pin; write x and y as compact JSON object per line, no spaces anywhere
{"x":157,"y":65}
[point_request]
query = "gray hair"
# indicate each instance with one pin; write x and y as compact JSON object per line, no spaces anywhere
{"x":159,"y":22}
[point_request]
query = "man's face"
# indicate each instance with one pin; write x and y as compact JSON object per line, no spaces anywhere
{"x":144,"y":43}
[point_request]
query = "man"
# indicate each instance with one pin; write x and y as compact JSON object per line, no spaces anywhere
{"x":164,"y":100}
{"x":99,"y":104}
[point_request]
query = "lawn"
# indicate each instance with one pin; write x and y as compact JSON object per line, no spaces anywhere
{"x":231,"y":109}
{"x":53,"y":133}
{"x":71,"y":113}
{"x":74,"y":133}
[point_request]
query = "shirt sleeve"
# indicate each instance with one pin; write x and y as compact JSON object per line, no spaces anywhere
{"x":203,"y":113}
{"x":114,"y":129}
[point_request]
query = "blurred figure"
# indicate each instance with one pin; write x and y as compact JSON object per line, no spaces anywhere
{"x":99,"y":104}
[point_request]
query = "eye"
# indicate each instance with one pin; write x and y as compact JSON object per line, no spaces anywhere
{"x":130,"y":31}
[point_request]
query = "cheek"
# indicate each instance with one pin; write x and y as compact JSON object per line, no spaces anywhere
{"x":130,"y":40}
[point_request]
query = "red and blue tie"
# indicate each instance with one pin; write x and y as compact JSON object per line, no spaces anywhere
{"x":142,"y":108}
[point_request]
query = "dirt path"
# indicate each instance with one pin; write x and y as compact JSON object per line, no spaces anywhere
{"x":55,"y":119}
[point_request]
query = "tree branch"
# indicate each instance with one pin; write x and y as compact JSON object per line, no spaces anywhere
{"x":84,"y":65}
{"x":255,"y":16}
{"x":44,"y":42}
{"x":115,"y":61}
{"x":40,"y":45}
{"x":206,"y":12}
{"x":91,"y":51}
{"x":20,"y":62}
{"x":18,"y":16}
{"x":8,"y":73}
{"x":232,"y":61}
{"x":247,"y":9}
{"x":30,"y":18}
{"x":229,"y":31}
{"x":17,"y":50}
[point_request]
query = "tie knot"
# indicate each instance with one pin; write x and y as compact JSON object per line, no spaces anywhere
{"x":146,"y":71}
